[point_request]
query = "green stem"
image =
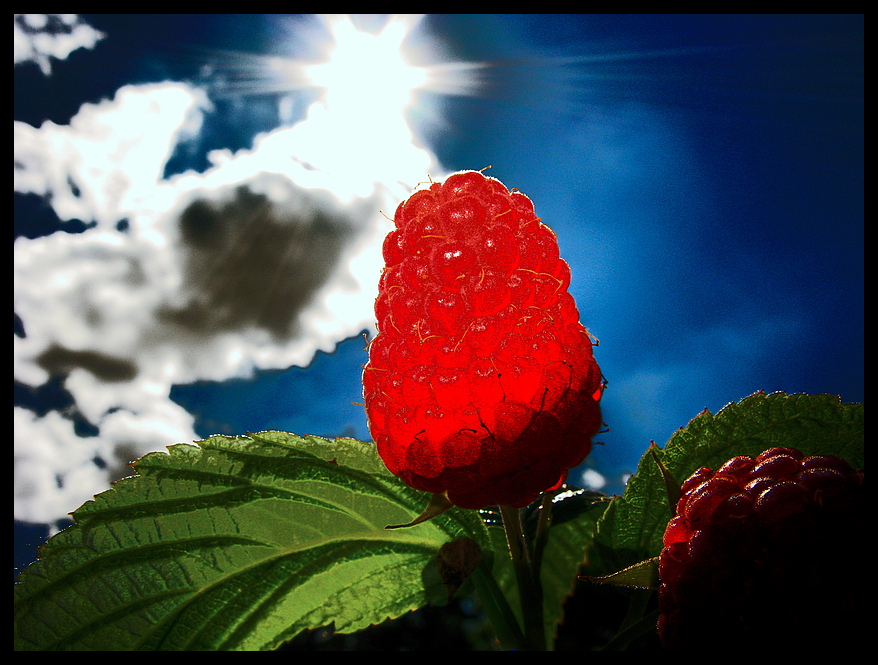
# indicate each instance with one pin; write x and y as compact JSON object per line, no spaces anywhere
{"x":529,"y":587}
{"x":542,"y":535}
{"x":499,"y":613}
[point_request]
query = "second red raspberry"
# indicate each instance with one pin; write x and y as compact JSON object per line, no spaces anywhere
{"x":766,"y":554}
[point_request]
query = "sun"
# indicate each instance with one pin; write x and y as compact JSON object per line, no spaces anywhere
{"x":367,"y":87}
{"x":366,"y":73}
{"x":361,"y":84}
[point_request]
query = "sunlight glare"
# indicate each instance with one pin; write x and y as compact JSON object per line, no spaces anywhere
{"x":357,"y":130}
{"x":367,"y":68}
{"x":355,"y":135}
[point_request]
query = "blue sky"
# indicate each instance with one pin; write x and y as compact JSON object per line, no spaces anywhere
{"x":198,"y":222}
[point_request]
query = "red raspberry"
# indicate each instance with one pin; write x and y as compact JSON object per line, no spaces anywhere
{"x":481,"y":382}
{"x":765,"y":553}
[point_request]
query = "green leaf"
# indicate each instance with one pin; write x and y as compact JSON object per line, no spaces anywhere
{"x":631,"y":529}
{"x":235,"y":543}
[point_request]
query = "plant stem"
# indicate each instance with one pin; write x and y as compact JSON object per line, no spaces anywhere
{"x":502,"y":619}
{"x":542,"y":535}
{"x":529,"y":587}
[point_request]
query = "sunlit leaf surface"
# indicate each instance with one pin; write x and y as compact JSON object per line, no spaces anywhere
{"x":234,"y":543}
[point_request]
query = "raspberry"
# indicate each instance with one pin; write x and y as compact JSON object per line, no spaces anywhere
{"x":765,"y":553}
{"x":481,"y":382}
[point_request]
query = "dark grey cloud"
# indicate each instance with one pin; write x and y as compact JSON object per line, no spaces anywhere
{"x":251,"y":262}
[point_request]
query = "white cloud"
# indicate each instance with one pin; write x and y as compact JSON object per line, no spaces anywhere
{"x":592,"y":479}
{"x":108,"y":161}
{"x":40,"y":37}
{"x":258,"y":262}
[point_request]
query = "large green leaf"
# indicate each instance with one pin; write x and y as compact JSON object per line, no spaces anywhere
{"x":235,"y":543}
{"x":631,"y":529}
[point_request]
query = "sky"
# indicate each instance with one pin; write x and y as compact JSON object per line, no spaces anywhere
{"x":200,"y":201}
